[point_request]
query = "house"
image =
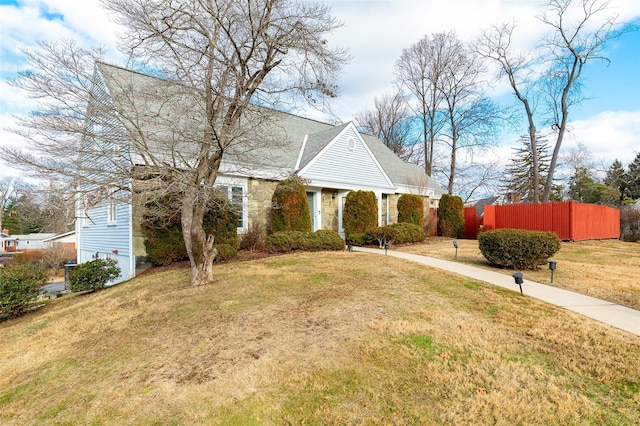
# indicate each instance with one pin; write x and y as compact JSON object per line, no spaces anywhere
{"x":8,"y":242}
{"x":332,"y":160}
{"x":66,"y":240}
{"x":24,"y":242}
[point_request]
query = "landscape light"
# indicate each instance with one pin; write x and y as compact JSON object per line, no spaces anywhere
{"x":552,"y":267}
{"x":518,"y":278}
{"x":386,"y":247}
{"x":455,"y":244}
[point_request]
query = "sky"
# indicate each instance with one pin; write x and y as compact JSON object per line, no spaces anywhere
{"x":375,"y":32}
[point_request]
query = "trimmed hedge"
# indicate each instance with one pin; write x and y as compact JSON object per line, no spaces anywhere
{"x":518,"y":248}
{"x":19,"y":285}
{"x":408,"y":233}
{"x":286,"y":241}
{"x":411,"y":209}
{"x":164,"y":240}
{"x":290,"y":207}
{"x":93,"y":275}
{"x":225,"y":252}
{"x":360,"y":214}
{"x":451,"y":216}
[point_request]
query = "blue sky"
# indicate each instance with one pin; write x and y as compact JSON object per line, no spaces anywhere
{"x":608,"y":122}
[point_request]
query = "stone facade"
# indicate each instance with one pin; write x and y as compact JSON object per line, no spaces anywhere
{"x":329,"y":200}
{"x":259,"y":194}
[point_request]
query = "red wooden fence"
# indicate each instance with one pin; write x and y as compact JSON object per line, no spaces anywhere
{"x":569,"y":220}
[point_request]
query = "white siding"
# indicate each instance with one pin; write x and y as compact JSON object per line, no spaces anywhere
{"x":107,"y":240}
{"x":345,"y":163}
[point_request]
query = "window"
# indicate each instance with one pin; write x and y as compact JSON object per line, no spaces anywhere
{"x":112,"y":212}
{"x":235,"y":195}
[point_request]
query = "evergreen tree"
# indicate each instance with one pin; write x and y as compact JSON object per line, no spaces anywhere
{"x":633,"y":178}
{"x":617,"y":178}
{"x":519,"y":173}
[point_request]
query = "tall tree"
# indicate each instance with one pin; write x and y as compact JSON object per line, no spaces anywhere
{"x":8,"y":189}
{"x":390,"y":120}
{"x":419,"y":69}
{"x":518,"y":174}
{"x":617,"y":178}
{"x":579,"y":31}
{"x":226,"y":55}
{"x":633,"y":178}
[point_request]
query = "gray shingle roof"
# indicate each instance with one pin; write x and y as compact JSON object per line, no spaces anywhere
{"x":292,"y":128}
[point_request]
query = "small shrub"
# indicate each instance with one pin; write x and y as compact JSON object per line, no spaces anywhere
{"x":225,"y":252}
{"x":290,"y":207}
{"x":629,"y":224}
{"x":359,"y":215}
{"x":254,"y":239}
{"x":408,"y":233}
{"x":93,"y":275}
{"x":411,"y":209}
{"x":518,"y":248}
{"x":282,"y":242}
{"x":430,"y":225}
{"x":383,"y":234}
{"x":451,"y":216}
{"x":19,"y":285}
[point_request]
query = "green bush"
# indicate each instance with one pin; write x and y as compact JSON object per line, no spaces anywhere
{"x":360,"y":214}
{"x":93,"y":275}
{"x":286,"y":241}
{"x":290,"y":207}
{"x":408,"y":233}
{"x":164,"y":240}
{"x":19,"y":285}
{"x":383,"y":234}
{"x":225,"y":252}
{"x":411,"y":209}
{"x":451,"y":216}
{"x":518,"y":248}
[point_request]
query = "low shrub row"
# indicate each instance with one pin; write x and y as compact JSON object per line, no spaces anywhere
{"x":518,"y":248}
{"x":397,"y":233}
{"x":281,"y":242}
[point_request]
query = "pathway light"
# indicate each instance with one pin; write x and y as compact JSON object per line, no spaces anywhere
{"x":552,"y":267}
{"x":455,"y":244}
{"x":518,"y":278}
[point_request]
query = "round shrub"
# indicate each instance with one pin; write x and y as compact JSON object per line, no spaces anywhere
{"x":518,"y":248}
{"x":93,"y":275}
{"x":19,"y":285}
{"x":382,"y":234}
{"x":359,"y":215}
{"x":408,"y":233}
{"x":290,"y":207}
{"x":411,"y":209}
{"x":451,"y":216}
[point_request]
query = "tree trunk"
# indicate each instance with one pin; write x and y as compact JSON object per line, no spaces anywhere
{"x":199,"y":246}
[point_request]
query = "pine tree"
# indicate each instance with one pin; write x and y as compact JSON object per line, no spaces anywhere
{"x":519,"y":173}
{"x":633,"y":178}
{"x":617,"y":178}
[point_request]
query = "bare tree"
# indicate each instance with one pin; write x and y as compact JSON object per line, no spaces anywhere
{"x":579,"y":31}
{"x":419,"y":69}
{"x":495,"y":44}
{"x":219,"y":58}
{"x":471,"y":117}
{"x":390,"y":121}
{"x":578,"y":36}
{"x":8,"y":190}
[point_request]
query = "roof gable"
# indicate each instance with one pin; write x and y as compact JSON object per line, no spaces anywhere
{"x":341,"y":155}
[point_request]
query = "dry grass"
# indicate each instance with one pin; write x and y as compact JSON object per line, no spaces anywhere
{"x":606,"y":269}
{"x":330,"y":338}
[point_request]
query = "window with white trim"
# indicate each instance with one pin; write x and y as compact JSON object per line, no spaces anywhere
{"x":235,"y":194}
{"x":112,"y":212}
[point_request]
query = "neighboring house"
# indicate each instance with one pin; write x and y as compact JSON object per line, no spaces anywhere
{"x":8,"y":242}
{"x":332,"y":160}
{"x":26,"y":242}
{"x":65,"y":240}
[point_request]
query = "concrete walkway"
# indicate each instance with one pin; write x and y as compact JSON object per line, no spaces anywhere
{"x":609,"y":313}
